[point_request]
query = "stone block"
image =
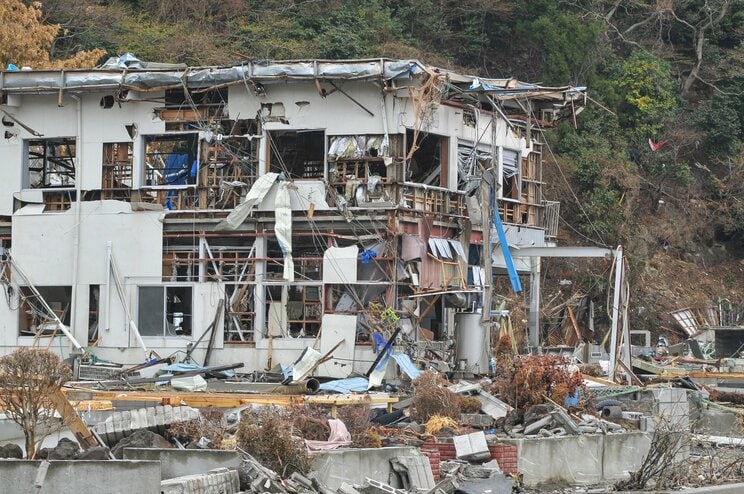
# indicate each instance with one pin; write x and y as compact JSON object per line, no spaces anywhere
{"x":471,"y":446}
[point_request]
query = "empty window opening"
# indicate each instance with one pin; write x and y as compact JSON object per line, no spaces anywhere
{"x":165,"y":310}
{"x":50,"y":162}
{"x":183,"y":109}
{"x":240,"y":313}
{"x":429,"y":162}
{"x":297,"y":154}
{"x":294,"y":311}
{"x":117,"y":170}
{"x":33,"y":316}
{"x":510,"y":177}
{"x":171,"y":159}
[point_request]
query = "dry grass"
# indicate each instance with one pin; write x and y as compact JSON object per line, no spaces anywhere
{"x":436,"y":423}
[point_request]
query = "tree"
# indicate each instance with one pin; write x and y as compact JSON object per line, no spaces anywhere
{"x":28,"y":378}
{"x":32,"y":48}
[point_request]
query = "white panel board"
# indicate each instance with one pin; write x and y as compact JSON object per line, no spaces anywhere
{"x":340,"y":265}
{"x":335,"y":328}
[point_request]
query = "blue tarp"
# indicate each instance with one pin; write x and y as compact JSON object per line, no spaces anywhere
{"x":346,"y":386}
{"x":405,"y":364}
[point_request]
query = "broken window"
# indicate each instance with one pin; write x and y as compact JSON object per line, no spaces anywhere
{"x":294,"y":310}
{"x":171,"y":159}
{"x":297,"y":153}
{"x":164,"y":310}
{"x":229,"y":169}
{"x":184,"y":108}
{"x":510,"y":174}
{"x":429,"y":163}
{"x":471,"y":163}
{"x":116,"y":179}
{"x":33,"y":316}
{"x":50,"y":162}
{"x":240,"y":313}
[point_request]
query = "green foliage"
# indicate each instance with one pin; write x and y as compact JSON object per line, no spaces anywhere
{"x":721,"y":121}
{"x":565,"y":41}
{"x":650,"y":93}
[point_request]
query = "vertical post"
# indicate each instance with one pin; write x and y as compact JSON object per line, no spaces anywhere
{"x":616,"y":310}
{"x":535,"y":303}
{"x":259,"y":295}
{"x":202,"y":259}
{"x":107,"y":287}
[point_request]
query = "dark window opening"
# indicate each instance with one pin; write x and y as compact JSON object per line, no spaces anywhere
{"x":429,"y":163}
{"x":51,"y":162}
{"x":171,"y":159}
{"x":94,"y":297}
{"x":165,"y":310}
{"x":297,"y":154}
{"x":33,"y":316}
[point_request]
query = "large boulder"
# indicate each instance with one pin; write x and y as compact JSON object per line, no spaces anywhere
{"x":94,"y":453}
{"x":11,"y":451}
{"x":140,"y":439}
{"x":66,"y":449}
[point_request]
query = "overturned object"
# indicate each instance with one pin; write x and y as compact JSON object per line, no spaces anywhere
{"x":125,"y":423}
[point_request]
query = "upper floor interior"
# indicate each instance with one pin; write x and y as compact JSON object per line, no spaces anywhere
{"x":359,"y":134}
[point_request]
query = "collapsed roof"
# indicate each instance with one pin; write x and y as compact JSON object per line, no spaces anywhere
{"x":128,"y":73}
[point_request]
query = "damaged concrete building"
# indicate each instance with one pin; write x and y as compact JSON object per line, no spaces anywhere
{"x":233,"y":212}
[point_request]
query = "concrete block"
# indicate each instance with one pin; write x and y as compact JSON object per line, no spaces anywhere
{"x":538,"y":424}
{"x":476,"y":419}
{"x":471,"y":446}
{"x":345,"y":488}
{"x":565,"y":421}
{"x":372,"y":486}
{"x":221,"y":480}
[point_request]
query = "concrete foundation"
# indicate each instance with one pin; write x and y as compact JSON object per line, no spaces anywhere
{"x":180,"y":462}
{"x":576,"y":460}
{"x":353,"y":466}
{"x":79,"y":477}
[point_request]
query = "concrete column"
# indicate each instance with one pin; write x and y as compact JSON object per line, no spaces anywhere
{"x":259,"y":291}
{"x":534,"y":302}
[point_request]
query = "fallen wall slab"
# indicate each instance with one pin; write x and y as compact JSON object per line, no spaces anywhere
{"x":79,"y":477}
{"x":353,"y":466}
{"x":583,"y":459}
{"x":180,"y":462}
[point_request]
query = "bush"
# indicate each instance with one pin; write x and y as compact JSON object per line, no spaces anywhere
{"x":526,"y":380}
{"x":431,"y":397}
{"x":267,"y":436}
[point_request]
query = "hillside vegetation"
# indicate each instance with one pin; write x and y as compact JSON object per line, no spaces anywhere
{"x":655,"y":162}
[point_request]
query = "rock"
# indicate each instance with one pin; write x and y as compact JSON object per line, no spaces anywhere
{"x":140,"y":439}
{"x":43,"y":454}
{"x":94,"y":453}
{"x":11,"y":451}
{"x":66,"y":449}
{"x":536,"y":412}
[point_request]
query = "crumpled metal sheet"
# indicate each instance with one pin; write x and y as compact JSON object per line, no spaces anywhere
{"x":265,"y":71}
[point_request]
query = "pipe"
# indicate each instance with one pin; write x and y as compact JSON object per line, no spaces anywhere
{"x":74,"y":316}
